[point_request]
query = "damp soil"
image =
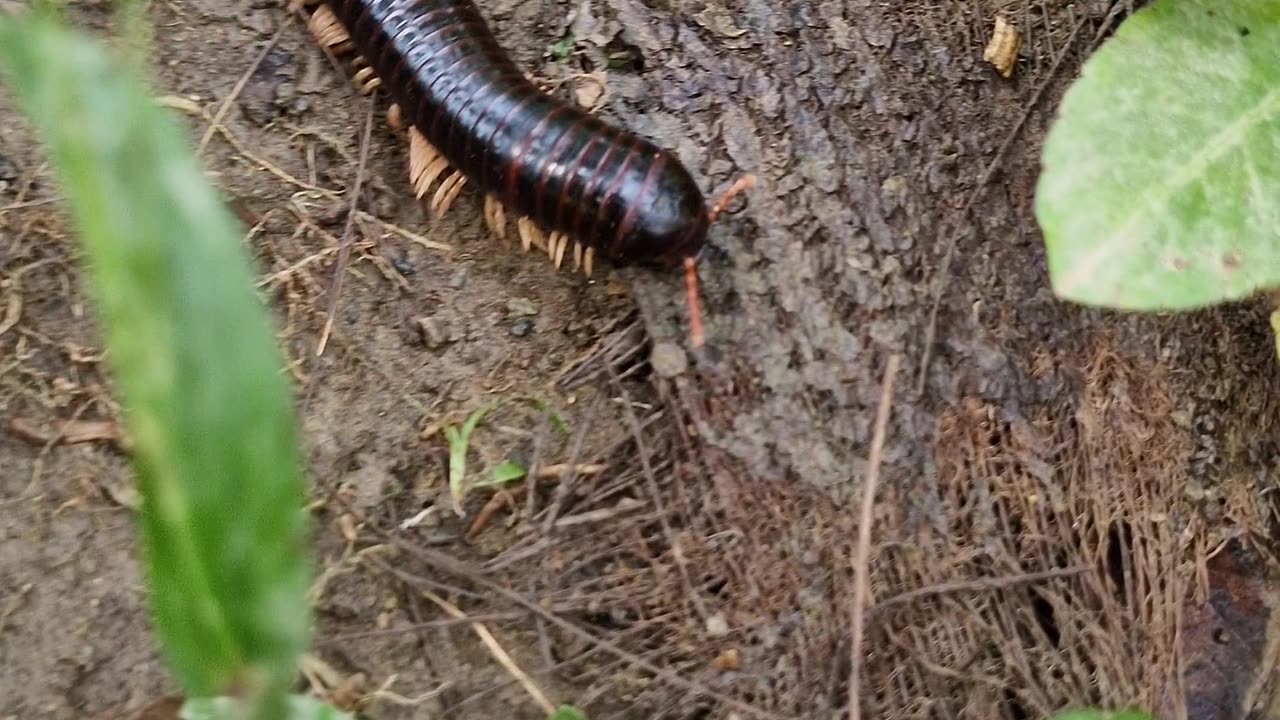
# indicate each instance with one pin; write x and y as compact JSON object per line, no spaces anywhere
{"x":1061,"y":491}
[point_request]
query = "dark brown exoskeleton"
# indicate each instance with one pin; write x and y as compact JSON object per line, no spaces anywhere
{"x":473,"y":115}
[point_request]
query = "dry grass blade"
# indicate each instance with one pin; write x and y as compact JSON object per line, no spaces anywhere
{"x":441,"y":562}
{"x":863,"y":551}
{"x":344,"y":251}
{"x":235,"y":92}
{"x":495,"y":648}
{"x":961,"y":586}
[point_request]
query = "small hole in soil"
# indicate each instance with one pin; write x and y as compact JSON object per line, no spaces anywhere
{"x":1015,"y":708}
{"x":1119,"y":540}
{"x":623,"y":57}
{"x":1045,"y":617}
{"x":607,"y":620}
{"x":699,"y":713}
{"x":716,"y":586}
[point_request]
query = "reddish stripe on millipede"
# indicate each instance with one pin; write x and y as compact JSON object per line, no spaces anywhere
{"x":441,"y":63}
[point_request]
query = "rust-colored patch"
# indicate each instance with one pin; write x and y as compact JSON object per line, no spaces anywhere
{"x":1224,"y":638}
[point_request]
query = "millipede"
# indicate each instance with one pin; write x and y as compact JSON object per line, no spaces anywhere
{"x":577,"y":186}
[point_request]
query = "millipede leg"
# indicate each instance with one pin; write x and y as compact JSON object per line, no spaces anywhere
{"x":366,"y":79}
{"x":328,"y":30}
{"x":588,"y":259}
{"x":577,"y":256}
{"x":421,"y":154}
{"x":447,"y":193}
{"x":395,"y":117}
{"x":426,"y":164}
{"x":553,"y":243}
{"x":564,"y":245}
{"x":530,"y":235}
{"x":495,"y":216}
{"x":696,"y":337}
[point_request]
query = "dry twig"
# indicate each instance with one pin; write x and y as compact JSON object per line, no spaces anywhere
{"x":863,"y":552}
{"x":442,"y":562}
{"x":235,"y":92}
{"x":944,"y":273}
{"x":495,"y":648}
{"x":344,"y":251}
{"x":962,"y":586}
{"x":70,"y":433}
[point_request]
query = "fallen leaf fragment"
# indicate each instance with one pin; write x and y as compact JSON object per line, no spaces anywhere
{"x":1002,"y":50}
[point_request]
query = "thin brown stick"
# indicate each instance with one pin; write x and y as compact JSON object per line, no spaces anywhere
{"x":495,"y":649}
{"x":944,"y":273}
{"x":235,"y":91}
{"x":655,"y":494}
{"x":344,"y":252}
{"x":535,"y":464}
{"x":442,"y":562}
{"x":400,"y":630}
{"x":962,"y":586}
{"x":568,"y":473}
{"x":863,"y":550}
{"x":71,"y":433}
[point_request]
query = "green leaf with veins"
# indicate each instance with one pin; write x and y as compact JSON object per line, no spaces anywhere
{"x":1160,"y":187}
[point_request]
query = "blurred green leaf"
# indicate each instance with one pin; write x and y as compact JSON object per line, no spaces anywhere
{"x":459,"y":440}
{"x":563,"y":48}
{"x":508,"y":471}
{"x":194,"y":361}
{"x":557,"y":420}
{"x":300,"y":707}
{"x":567,"y":712}
{"x":1161,"y":178}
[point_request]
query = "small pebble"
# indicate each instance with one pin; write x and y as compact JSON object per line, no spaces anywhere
{"x":521,"y":307}
{"x":8,"y":171}
{"x":8,"y":174}
{"x":521,"y":327}
{"x":668,"y":359}
{"x":717,"y":625}
{"x":433,"y":335}
{"x":403,"y":265}
{"x":459,"y":279}
{"x":285,"y":93}
{"x":258,"y":21}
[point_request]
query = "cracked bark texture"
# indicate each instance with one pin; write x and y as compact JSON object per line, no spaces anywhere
{"x":872,"y":127}
{"x":869,"y":126}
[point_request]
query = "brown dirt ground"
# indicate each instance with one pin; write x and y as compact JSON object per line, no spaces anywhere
{"x":1074,"y":507}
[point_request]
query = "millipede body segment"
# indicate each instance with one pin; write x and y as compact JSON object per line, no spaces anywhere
{"x":473,"y":116}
